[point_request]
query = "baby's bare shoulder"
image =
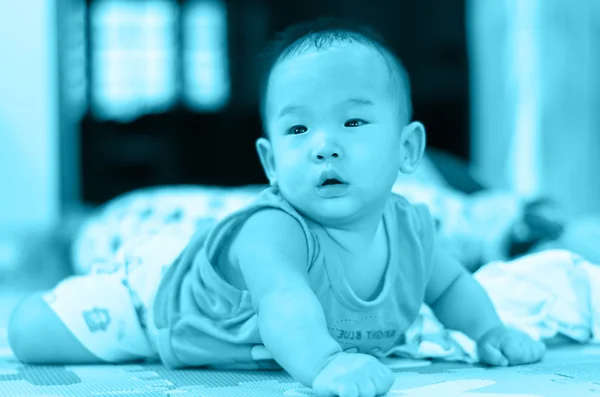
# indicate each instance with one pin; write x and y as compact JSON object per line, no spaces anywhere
{"x":270,"y":228}
{"x":271,"y":252}
{"x":270,"y":234}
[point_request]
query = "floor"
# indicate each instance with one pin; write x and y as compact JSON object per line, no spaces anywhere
{"x":566,"y":371}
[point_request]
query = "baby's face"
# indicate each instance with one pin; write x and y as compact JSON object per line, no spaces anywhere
{"x":332,"y":111}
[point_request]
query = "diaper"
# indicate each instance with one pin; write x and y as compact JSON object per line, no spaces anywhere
{"x":109,"y":310}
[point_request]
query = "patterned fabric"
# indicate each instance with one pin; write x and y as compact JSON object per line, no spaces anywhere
{"x":176,"y":209}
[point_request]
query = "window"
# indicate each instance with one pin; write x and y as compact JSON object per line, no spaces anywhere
{"x":205,"y":55}
{"x":133,"y":58}
{"x":135,"y":61}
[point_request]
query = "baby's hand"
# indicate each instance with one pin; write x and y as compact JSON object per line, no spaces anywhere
{"x":502,"y":346}
{"x":353,"y":375}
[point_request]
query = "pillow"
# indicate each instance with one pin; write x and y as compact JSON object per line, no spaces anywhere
{"x":175,"y":210}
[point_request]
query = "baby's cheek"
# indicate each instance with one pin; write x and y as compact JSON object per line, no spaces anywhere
{"x":385,"y":171}
{"x":295,"y":189}
{"x":292,"y":181}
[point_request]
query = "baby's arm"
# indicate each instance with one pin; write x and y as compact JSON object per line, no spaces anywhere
{"x":461,"y":303}
{"x":272,"y":253}
{"x":457,"y":299}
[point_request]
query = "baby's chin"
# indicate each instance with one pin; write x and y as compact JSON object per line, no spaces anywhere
{"x":328,"y":211}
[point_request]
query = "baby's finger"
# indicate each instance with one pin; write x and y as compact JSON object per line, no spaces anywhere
{"x":368,"y":388}
{"x":540,"y":349}
{"x":523,"y":350}
{"x":323,"y":392}
{"x":384,"y":380}
{"x":490,"y":355}
{"x":385,"y":372}
{"x":518,"y":351}
{"x":348,"y":390}
{"x":535,"y":351}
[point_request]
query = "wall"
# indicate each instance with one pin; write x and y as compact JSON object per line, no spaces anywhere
{"x":29,"y":194}
{"x":535,"y":95}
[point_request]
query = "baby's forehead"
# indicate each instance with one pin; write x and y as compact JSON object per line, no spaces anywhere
{"x":391,"y":73}
{"x":336,"y":67}
{"x":347,"y":64}
{"x":338,"y":50}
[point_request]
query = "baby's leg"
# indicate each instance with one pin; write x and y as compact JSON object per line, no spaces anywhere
{"x":38,"y":336}
{"x":85,"y":319}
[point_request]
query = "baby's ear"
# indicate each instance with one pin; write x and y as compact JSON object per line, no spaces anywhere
{"x":265,"y":154}
{"x":413,"y":141}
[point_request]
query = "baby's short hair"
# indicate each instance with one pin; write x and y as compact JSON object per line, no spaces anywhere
{"x":324,"y":32}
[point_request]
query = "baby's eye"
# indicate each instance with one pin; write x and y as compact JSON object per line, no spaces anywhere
{"x":354,"y":121}
{"x":294,"y":129}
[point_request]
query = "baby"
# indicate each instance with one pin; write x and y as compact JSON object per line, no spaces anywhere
{"x":321,"y":275}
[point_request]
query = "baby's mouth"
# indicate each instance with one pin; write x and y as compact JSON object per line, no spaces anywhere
{"x":332,"y":187}
{"x":330,"y":178}
{"x":331,"y":181}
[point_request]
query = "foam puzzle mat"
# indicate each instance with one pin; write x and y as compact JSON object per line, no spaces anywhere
{"x":572,"y":371}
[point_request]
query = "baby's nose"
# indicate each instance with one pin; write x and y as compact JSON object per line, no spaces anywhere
{"x":326,"y":151}
{"x":325,"y":154}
